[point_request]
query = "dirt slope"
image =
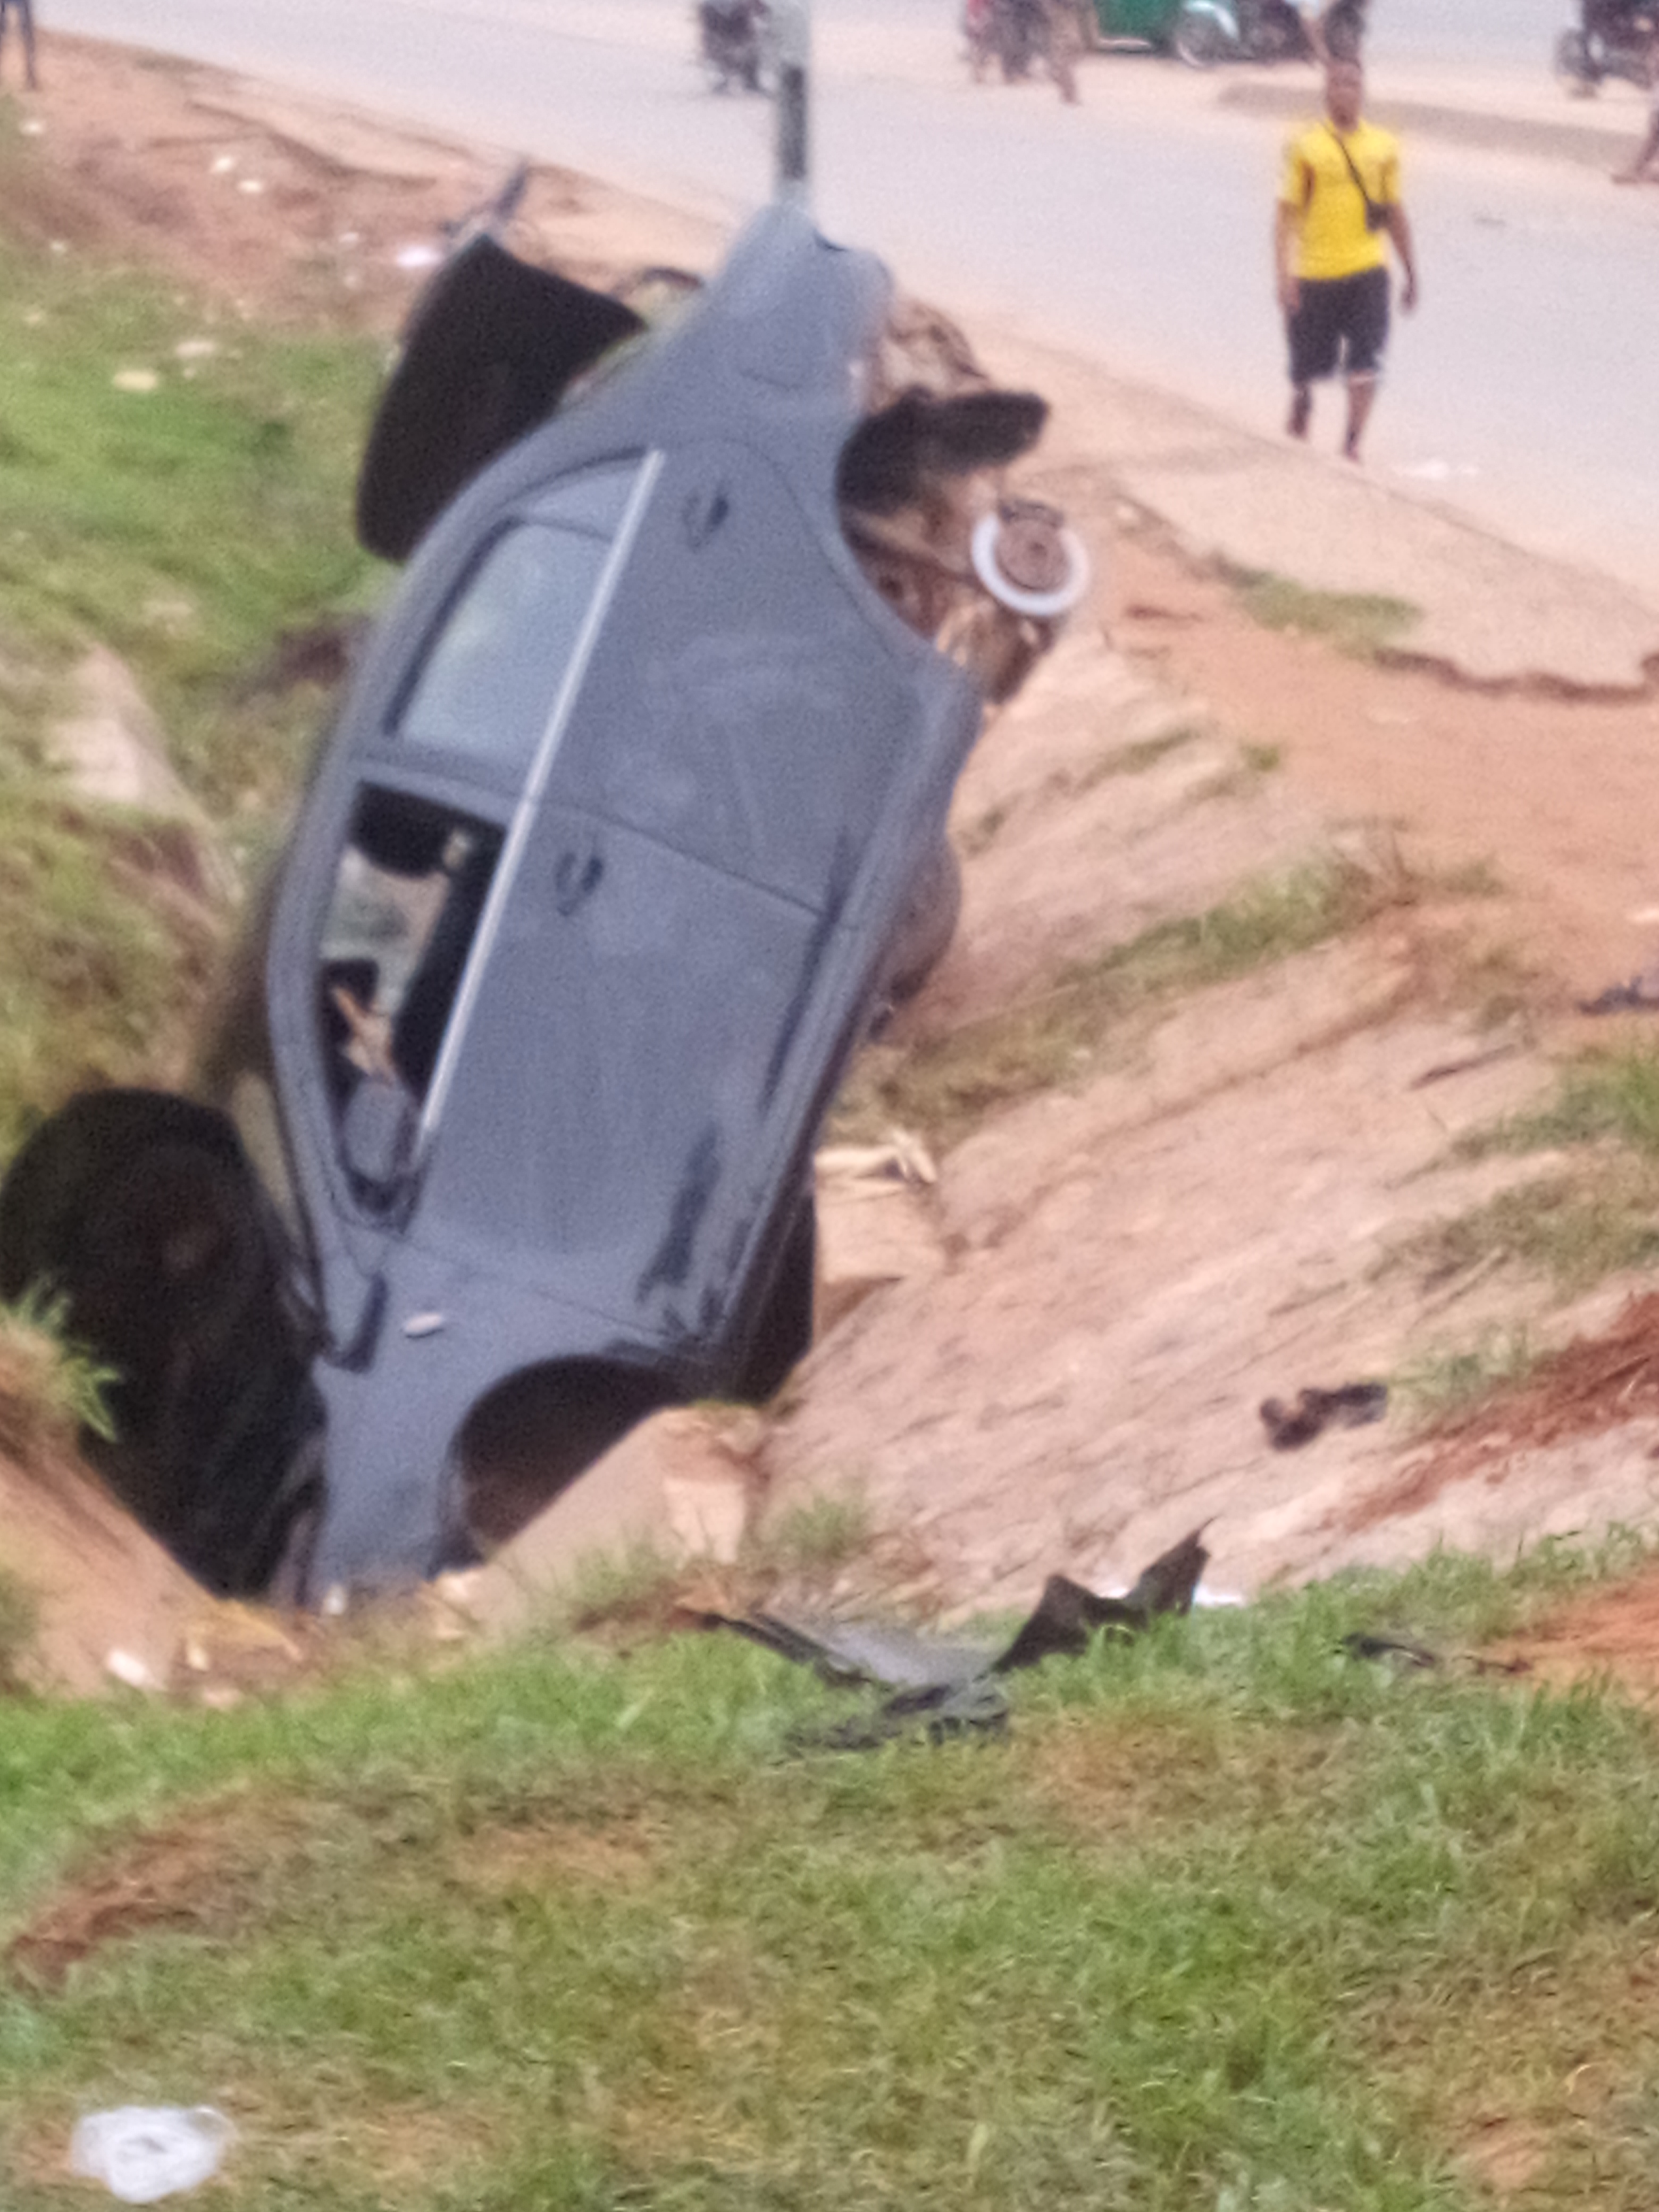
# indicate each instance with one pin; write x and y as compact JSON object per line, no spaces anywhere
{"x":1204,"y":1212}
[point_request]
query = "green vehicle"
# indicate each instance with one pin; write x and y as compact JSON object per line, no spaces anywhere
{"x":1149,"y":23}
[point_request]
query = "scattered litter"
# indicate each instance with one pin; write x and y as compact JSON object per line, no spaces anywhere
{"x":195,"y":349}
{"x":1363,"y":1644}
{"x":423,"y":1324}
{"x":336,"y":1599}
{"x":144,"y":2151}
{"x":350,"y":238}
{"x":947,"y":1687}
{"x":418,"y":257}
{"x":903,"y":1158}
{"x":221,"y":165}
{"x":35,"y":127}
{"x":249,"y":185}
{"x":1352,"y":1406}
{"x":58,"y":245}
{"x":127,"y":1666}
{"x":1639,"y":995}
{"x":135,"y":379}
{"x":1407,"y":1655}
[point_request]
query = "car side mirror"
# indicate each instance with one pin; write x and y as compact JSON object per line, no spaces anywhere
{"x":377,"y":1137}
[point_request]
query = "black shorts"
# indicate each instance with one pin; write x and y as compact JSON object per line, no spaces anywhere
{"x":1339,"y":317}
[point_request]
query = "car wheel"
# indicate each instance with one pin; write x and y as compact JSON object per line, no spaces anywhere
{"x":531,"y":1437}
{"x":1199,"y":39}
{"x":928,"y":925}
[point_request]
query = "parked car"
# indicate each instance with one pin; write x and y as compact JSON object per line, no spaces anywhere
{"x":612,"y":855}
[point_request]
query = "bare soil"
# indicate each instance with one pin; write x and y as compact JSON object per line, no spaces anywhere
{"x":1205,"y":1213}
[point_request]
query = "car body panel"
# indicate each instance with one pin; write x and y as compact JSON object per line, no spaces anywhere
{"x":691,"y":763}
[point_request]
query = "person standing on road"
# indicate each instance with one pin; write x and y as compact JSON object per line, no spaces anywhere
{"x":24,"y":11}
{"x":1339,"y":210}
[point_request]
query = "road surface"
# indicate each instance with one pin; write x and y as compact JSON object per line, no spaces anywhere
{"x":1133,"y":227}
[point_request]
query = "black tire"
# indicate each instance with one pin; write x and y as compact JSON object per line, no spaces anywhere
{"x":1198,"y":40}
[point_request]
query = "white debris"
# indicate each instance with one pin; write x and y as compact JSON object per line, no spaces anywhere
{"x":144,"y":2152}
{"x":418,"y":257}
{"x":127,"y":1666}
{"x":221,"y":165}
{"x":195,"y":349}
{"x":135,"y":379}
{"x":250,"y":184}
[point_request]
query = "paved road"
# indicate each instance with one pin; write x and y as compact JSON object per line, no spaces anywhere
{"x":1133,"y":227}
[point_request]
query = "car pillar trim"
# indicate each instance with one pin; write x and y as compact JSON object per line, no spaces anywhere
{"x":535,"y":785}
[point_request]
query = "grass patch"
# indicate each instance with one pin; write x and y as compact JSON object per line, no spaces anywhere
{"x":1442,"y":1381}
{"x":20,"y":1620}
{"x":1603,"y":1097}
{"x":943,"y":1087}
{"x":1575,"y":1229}
{"x":1136,"y":759}
{"x":51,"y":1388}
{"x":185,"y":525}
{"x":1225,"y":1920}
{"x":1359,"y":623}
{"x":1596,"y":1217}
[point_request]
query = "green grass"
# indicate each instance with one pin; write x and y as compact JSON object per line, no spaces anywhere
{"x":1610,"y":1097}
{"x":1442,"y":1380}
{"x":943,"y":1087}
{"x":1225,"y":1919}
{"x":1575,"y":1230}
{"x":1597,"y":1216}
{"x":185,"y":528}
{"x":1363,"y":624}
{"x":1138,"y":758}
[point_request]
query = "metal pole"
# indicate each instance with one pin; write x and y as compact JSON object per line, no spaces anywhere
{"x":793,"y":22}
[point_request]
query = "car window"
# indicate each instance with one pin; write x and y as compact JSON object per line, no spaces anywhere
{"x":486,"y":683}
{"x":408,"y":895}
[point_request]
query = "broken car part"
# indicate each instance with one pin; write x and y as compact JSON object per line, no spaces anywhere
{"x":1350,"y":1405}
{"x":948,"y":1685}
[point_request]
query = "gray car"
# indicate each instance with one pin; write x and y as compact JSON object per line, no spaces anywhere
{"x":599,"y":881}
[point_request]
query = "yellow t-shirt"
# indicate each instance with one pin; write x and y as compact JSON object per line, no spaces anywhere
{"x":1334,"y":241}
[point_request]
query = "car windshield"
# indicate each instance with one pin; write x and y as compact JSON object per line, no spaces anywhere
{"x":488,"y":681}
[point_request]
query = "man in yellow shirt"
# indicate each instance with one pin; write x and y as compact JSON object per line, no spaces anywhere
{"x":1339,"y":211}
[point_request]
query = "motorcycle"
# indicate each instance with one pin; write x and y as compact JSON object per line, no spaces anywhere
{"x":732,"y":43}
{"x":1614,"y":37}
{"x":1210,"y":31}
